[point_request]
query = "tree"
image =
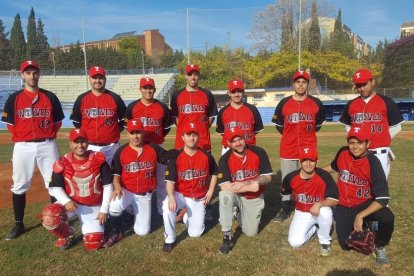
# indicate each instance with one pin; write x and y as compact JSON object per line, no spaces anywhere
{"x":288,"y":41}
{"x":172,"y":59}
{"x":4,"y":48}
{"x":314,"y":43}
{"x":17,"y":43}
{"x":43,"y":53}
{"x":129,"y":46}
{"x":31,"y":46}
{"x":267,"y":27}
{"x":340,"y":40}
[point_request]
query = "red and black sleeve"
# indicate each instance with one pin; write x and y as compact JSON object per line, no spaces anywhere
{"x":265,"y":167}
{"x":174,"y":107}
{"x":334,"y":163}
{"x":9,"y":109}
{"x":76,"y":116}
{"x":167,"y":120}
{"x":331,"y":190}
{"x":162,"y":154}
{"x":171,"y":169}
{"x":278,"y":115}
{"x":212,"y":106}
{"x":57,"y":181}
{"x":220,"y":125}
{"x":379,"y":186}
{"x":258,"y":123}
{"x":285,"y":188}
{"x":116,"y":160}
{"x":57,"y":111}
{"x":120,"y":106}
{"x":393,"y":112}
{"x":320,"y":116}
{"x":223,"y":171}
{"x":129,"y":110}
{"x":345,"y":118}
{"x":106,"y":174}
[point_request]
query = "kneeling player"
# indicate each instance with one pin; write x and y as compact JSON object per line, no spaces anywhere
{"x":135,"y":178}
{"x":82,"y":185}
{"x":188,"y":185}
{"x":242,"y":175}
{"x":314,"y":192}
{"x":363,"y":193}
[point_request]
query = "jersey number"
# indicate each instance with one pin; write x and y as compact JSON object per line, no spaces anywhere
{"x":363,"y":192}
{"x":376,"y":129}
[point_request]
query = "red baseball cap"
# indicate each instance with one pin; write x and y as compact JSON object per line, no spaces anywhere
{"x":235,"y":84}
{"x":96,"y":70}
{"x":233,"y":132}
{"x":301,"y":74}
{"x":146,"y":82}
{"x":362,"y":76}
{"x":77,"y":133}
{"x":308,"y":152}
{"x":191,"y":127}
{"x":29,"y":63}
{"x":135,"y":125}
{"x":359,"y":133}
{"x":191,"y":67}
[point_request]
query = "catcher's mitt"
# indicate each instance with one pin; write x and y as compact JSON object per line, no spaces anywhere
{"x":362,"y":241}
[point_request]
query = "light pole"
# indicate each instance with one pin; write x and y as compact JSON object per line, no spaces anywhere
{"x":143,"y":64}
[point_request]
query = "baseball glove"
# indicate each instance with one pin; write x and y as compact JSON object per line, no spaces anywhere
{"x":361,"y":241}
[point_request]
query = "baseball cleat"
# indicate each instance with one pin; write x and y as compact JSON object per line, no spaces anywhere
{"x":65,"y":243}
{"x":227,"y":245}
{"x":16,"y":232}
{"x":325,"y":250}
{"x":112,"y":239}
{"x":380,"y":254}
{"x":167,"y":247}
{"x":282,"y":215}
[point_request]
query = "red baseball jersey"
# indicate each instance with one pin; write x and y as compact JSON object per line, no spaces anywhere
{"x":192,"y":107}
{"x":247,"y":117}
{"x":232,"y":168}
{"x":102,"y":117}
{"x":299,"y":121}
{"x":138,"y":172}
{"x":191,"y":174}
{"x":307,"y":192}
{"x":376,"y":115}
{"x":82,"y":180}
{"x":33,"y":115}
{"x":154,"y":117}
{"x":359,"y":179}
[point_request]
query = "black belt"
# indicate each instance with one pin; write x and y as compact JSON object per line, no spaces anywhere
{"x":38,"y":140}
{"x":379,"y":151}
{"x":144,"y":194}
{"x":102,"y":144}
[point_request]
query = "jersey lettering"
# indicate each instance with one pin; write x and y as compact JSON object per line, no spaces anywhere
{"x":349,"y":178}
{"x":29,"y":112}
{"x":299,"y":117}
{"x":99,"y":112}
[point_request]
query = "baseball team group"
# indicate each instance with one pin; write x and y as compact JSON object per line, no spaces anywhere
{"x":99,"y":180}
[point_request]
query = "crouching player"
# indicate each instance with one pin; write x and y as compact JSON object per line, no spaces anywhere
{"x":82,"y":185}
{"x":314,"y":192}
{"x":135,"y":177}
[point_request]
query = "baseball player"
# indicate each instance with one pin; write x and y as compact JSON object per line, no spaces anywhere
{"x":297,"y":118}
{"x":242,"y":175}
{"x":155,"y":117}
{"x":375,"y":112}
{"x":135,"y":169}
{"x":188,"y":185}
{"x":240,"y":114}
{"x":314,"y":192}
{"x":33,"y":117}
{"x":363,"y":192}
{"x":100,"y":113}
{"x":193,"y":104}
{"x":82,"y":185}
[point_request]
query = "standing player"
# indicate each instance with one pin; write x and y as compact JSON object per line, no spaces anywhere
{"x":314,"y":192}
{"x":238,"y":114}
{"x":135,"y":169}
{"x":33,"y":117}
{"x":155,"y":117}
{"x":363,"y":193}
{"x":242,"y":175}
{"x":82,"y":185}
{"x":100,"y":113}
{"x":188,"y":185}
{"x":375,"y":112}
{"x":297,"y":118}
{"x":193,"y":104}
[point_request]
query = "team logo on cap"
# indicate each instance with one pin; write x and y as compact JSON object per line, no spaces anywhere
{"x":356,"y":129}
{"x":358,"y":75}
{"x":306,"y":150}
{"x":191,"y":125}
{"x":77,"y":131}
{"x":134,"y":123}
{"x":97,"y":68}
{"x":235,"y":82}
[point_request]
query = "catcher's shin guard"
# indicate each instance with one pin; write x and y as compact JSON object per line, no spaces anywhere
{"x":55,"y":220}
{"x":93,"y":241}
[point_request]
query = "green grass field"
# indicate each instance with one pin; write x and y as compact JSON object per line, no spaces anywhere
{"x":266,"y":254}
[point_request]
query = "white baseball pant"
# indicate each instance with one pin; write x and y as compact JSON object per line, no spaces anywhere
{"x":383,"y":154}
{"x":88,"y":218}
{"x":194,"y":222}
{"x":108,"y":151}
{"x":142,"y":210}
{"x":25,"y":156}
{"x":303,"y":227}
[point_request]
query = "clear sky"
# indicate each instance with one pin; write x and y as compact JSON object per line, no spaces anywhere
{"x":215,"y":22}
